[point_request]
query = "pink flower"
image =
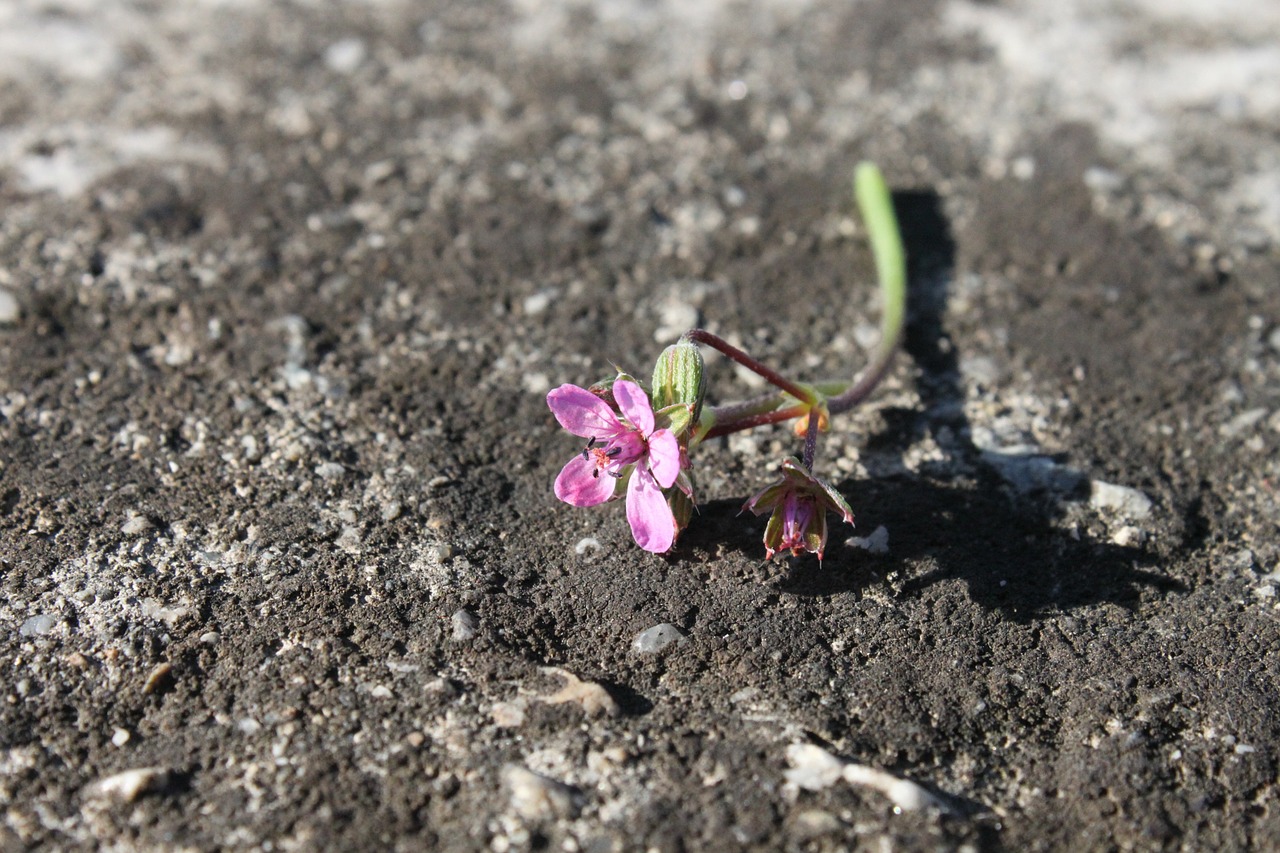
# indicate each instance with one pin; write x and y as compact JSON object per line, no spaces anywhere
{"x":590,"y":477}
{"x":799,"y":503}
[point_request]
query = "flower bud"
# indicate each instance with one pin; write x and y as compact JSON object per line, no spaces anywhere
{"x":678,"y":378}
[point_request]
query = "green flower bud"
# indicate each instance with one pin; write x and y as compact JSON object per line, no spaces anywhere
{"x":678,"y":378}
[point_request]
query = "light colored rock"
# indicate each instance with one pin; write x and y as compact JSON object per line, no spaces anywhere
{"x":813,"y":768}
{"x":39,"y":625}
{"x":345,"y":55}
{"x":593,"y":698}
{"x":1120,"y":500}
{"x":657,"y":638}
{"x":9,"y":311}
{"x":876,"y":543}
{"x":1243,"y":422}
{"x":128,"y":785}
{"x":465,"y":625}
{"x":535,"y":797}
{"x":136,"y":525}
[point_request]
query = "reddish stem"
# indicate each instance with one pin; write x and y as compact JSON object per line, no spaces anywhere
{"x":716,"y":342}
{"x":773,"y":417}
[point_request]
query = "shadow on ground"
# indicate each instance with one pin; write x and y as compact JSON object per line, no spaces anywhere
{"x":1007,"y":546}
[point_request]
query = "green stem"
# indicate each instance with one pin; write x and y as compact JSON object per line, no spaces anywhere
{"x":876,"y":206}
{"x":875,"y":203}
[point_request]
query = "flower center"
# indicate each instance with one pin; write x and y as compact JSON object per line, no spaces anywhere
{"x":620,"y":451}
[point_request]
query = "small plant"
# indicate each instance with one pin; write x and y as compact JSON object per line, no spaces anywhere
{"x":640,"y":441}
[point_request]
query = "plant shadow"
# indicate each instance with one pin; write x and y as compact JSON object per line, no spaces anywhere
{"x":966,"y":518}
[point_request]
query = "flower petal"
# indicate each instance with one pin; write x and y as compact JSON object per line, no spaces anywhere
{"x":583,"y":413}
{"x":652,"y":524}
{"x":634,"y":404}
{"x":664,"y":457}
{"x":579,"y":484}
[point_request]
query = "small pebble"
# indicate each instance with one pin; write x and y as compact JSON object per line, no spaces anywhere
{"x":465,"y":624}
{"x":131,"y":784}
{"x":876,"y":543}
{"x":1243,"y":423}
{"x":657,"y":638}
{"x":8,"y":308}
{"x":136,"y":524}
{"x":1128,"y":536}
{"x":1119,"y":499}
{"x":158,"y":678}
{"x":538,"y":302}
{"x":535,"y":797}
{"x":331,"y":470}
{"x":345,"y":56}
{"x":38,"y":626}
{"x":120,"y":737}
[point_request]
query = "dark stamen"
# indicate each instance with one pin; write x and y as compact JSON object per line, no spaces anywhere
{"x":617,"y":475}
{"x":613,"y":453}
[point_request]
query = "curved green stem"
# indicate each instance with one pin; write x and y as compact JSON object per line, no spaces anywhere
{"x":876,"y":206}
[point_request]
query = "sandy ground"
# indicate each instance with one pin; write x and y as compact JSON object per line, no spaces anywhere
{"x":283,"y":286}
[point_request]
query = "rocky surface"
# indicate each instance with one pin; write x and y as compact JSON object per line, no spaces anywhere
{"x":283,"y":286}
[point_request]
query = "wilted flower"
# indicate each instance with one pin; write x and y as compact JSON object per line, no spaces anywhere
{"x":799,"y":502}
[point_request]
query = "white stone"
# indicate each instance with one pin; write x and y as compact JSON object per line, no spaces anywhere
{"x":465,"y":625}
{"x":345,"y":56}
{"x":8,"y":307}
{"x":876,"y":543}
{"x":535,"y":797}
{"x":813,"y":768}
{"x":1242,"y":423}
{"x":1121,"y":500}
{"x":130,"y":784}
{"x":656,"y":638}
{"x":38,"y":626}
